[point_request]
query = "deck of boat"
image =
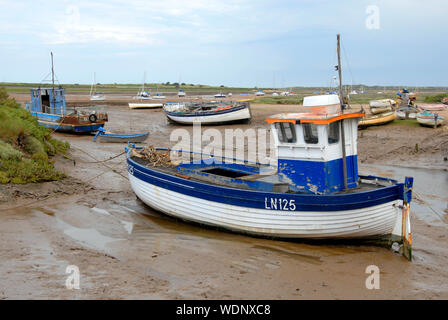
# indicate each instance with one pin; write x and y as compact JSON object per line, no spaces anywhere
{"x":271,"y":178}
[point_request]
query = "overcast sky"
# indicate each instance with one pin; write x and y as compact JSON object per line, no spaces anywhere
{"x":236,"y":42}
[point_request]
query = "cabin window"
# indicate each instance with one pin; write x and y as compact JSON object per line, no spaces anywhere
{"x":286,"y":132}
{"x":333,"y":132}
{"x":310,"y":133}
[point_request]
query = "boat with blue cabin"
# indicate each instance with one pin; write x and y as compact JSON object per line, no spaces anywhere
{"x":314,"y":190}
{"x":48,"y":104}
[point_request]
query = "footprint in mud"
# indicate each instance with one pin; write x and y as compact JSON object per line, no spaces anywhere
{"x":254,"y":263}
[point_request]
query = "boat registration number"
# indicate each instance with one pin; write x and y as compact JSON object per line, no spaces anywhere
{"x":279,"y":204}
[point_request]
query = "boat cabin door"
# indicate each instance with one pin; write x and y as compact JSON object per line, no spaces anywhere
{"x":45,"y":101}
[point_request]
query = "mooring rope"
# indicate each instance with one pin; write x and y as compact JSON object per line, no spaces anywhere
{"x":111,"y":158}
{"x":102,"y":161}
{"x":419,"y":197}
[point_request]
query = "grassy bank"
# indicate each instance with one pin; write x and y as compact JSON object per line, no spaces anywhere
{"x":26,"y":147}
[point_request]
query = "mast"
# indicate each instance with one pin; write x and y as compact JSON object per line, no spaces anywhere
{"x":341,"y":98}
{"x":52,"y":83}
{"x":93,"y":83}
{"x":52,"y":70}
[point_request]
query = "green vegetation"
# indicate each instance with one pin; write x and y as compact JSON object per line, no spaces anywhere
{"x":128,"y":88}
{"x":407,"y":122}
{"x":436,"y":99}
{"x":25,"y":146}
{"x":278,"y":100}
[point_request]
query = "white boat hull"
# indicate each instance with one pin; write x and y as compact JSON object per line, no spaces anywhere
{"x":430,"y":122}
{"x":218,"y":118}
{"x":384,"y":219}
{"x":145,"y":105}
{"x":97,"y":98}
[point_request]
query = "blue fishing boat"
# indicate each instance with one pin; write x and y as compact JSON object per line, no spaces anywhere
{"x":103,"y":136}
{"x":48,"y":104}
{"x":313,"y":192}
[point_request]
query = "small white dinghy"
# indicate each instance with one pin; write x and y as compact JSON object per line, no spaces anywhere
{"x":407,"y":112}
{"x":430,"y":119}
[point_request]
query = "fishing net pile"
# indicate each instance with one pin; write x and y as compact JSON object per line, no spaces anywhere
{"x":155,"y":157}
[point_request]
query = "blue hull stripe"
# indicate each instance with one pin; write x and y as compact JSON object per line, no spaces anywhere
{"x":258,"y":199}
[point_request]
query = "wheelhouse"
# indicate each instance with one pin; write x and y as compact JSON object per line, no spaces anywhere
{"x":310,"y":153}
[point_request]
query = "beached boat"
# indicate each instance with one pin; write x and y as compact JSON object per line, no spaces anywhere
{"x":297,"y":199}
{"x":377,"y":119}
{"x":381,"y":106}
{"x":48,"y":105}
{"x":145,"y":105}
{"x":103,"y":136}
{"x":259,"y":93}
{"x":158,"y":96}
{"x":208,"y":112}
{"x":433,"y":107}
{"x":407,"y":112}
{"x":430,"y":119}
{"x":181,"y":93}
{"x":313,"y":192}
{"x":96,"y":96}
{"x":143,"y":94}
{"x":220,"y":95}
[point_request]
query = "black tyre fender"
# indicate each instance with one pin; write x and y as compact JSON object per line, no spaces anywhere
{"x":93,"y":118}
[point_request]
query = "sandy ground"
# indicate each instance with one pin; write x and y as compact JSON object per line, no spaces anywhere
{"x":125,"y":250}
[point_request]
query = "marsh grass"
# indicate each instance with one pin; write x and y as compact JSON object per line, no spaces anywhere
{"x":436,"y":98}
{"x":25,"y":146}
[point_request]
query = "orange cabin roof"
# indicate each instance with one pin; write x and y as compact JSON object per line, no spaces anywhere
{"x":315,"y":118}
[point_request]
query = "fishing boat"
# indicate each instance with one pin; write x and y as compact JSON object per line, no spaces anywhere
{"x":314,"y":191}
{"x":381,"y":106}
{"x":298,"y":199}
{"x":377,"y":119}
{"x":259,"y":93}
{"x":48,"y":104}
{"x":433,"y":107}
{"x":181,"y":93}
{"x":430,"y":119}
{"x":103,"y":136}
{"x":96,"y":96}
{"x":407,"y":112}
{"x":208,"y":112}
